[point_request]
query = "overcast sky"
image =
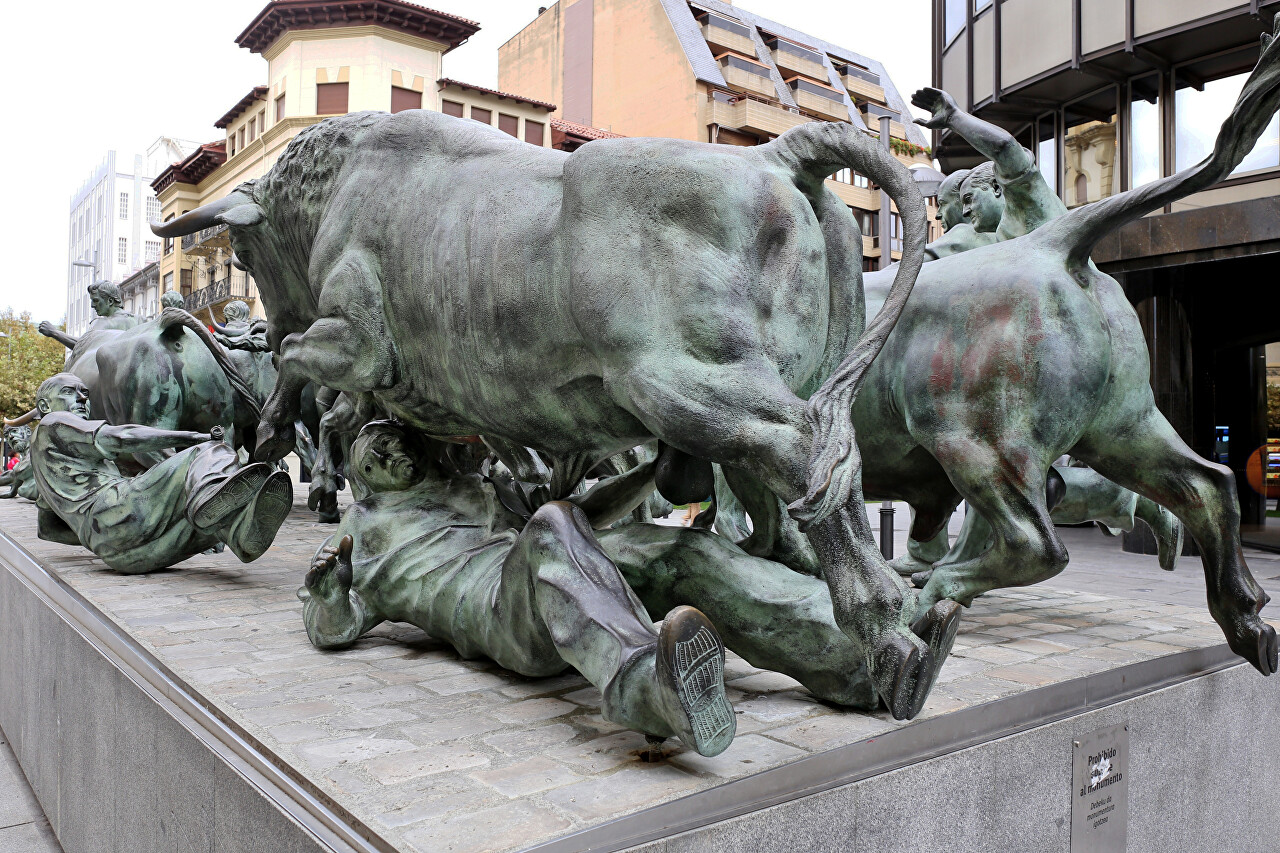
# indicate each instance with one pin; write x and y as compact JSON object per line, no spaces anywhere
{"x":117,"y":75}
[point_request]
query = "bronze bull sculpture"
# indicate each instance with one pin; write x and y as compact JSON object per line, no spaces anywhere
{"x":583,"y":304}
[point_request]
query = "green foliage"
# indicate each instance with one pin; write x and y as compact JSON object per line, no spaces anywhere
{"x":27,"y":358}
{"x":1273,"y":410}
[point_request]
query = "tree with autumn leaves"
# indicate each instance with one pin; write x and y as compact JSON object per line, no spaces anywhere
{"x":27,"y":358}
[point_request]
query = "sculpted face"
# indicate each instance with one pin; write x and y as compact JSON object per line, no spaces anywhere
{"x":982,"y":201}
{"x":63,"y":393}
{"x":19,"y":438}
{"x":950,"y":207}
{"x":382,"y":461}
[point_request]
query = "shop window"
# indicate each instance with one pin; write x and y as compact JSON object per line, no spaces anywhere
{"x":1199,"y":114}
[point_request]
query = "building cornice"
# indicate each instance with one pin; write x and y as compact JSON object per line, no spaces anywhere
{"x":282,"y":44}
{"x":257,"y":93}
{"x":446,"y":83}
{"x":281,"y":17}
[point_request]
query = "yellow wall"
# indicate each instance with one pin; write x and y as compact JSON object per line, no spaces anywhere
{"x":530,"y":63}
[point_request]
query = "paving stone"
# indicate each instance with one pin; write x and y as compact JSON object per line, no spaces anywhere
{"x":497,"y":828}
{"x":527,"y":777}
{"x":276,"y":714}
{"x":402,"y":765}
{"x":534,"y":710}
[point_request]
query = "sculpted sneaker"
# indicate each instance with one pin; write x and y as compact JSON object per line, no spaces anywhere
{"x":230,"y":495}
{"x":691,"y":670}
{"x":251,"y":535}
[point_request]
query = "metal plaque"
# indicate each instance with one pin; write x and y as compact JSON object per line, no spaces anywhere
{"x":1100,"y":791}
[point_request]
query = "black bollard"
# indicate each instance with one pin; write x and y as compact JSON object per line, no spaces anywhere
{"x":886,"y":529}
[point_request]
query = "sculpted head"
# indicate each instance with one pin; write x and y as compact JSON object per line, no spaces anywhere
{"x":950,"y":208}
{"x":981,"y":198}
{"x":19,"y":437}
{"x":105,"y":298}
{"x":236,"y":312}
{"x":388,"y":457}
{"x":172,"y":299}
{"x":63,"y":392}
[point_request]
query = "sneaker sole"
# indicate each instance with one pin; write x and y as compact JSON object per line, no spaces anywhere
{"x":233,"y":494}
{"x":691,"y":662}
{"x":268,"y":512}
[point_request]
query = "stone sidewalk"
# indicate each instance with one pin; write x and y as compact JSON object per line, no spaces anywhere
{"x":434,"y":752}
{"x":23,"y":826}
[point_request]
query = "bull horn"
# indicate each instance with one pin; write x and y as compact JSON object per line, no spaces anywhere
{"x":23,"y":420}
{"x":219,"y":328}
{"x":237,"y":263}
{"x":202,"y":217}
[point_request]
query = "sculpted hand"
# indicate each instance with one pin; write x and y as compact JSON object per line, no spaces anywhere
{"x":46,"y":328}
{"x":329,"y":580}
{"x":938,"y":102}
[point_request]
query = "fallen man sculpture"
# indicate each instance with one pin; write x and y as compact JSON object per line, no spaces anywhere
{"x":19,"y":478}
{"x":180,"y":507}
{"x":538,"y":591}
{"x":606,"y":309}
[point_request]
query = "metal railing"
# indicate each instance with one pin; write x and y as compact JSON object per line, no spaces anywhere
{"x":190,"y":241}
{"x":230,"y":287}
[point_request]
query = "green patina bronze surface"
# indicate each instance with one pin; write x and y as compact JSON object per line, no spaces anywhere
{"x":185,"y":504}
{"x":19,"y":478}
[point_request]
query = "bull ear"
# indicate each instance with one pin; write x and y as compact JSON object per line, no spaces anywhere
{"x":242,"y":215}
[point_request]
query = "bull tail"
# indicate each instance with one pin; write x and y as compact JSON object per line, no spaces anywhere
{"x":1081,"y":229}
{"x":174,"y":318}
{"x":814,"y":151}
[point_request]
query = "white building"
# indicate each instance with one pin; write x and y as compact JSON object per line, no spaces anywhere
{"x":108,"y":227}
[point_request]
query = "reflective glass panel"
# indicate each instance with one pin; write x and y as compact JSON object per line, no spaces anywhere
{"x":1197,"y":116}
{"x":1144,"y":132}
{"x":954,"y":13}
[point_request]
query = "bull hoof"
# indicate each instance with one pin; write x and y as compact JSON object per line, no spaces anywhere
{"x":937,"y":627}
{"x":1256,"y":642}
{"x":920,"y":579}
{"x":897,"y":668}
{"x":274,"y":443}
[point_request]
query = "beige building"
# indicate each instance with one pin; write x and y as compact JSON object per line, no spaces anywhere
{"x":324,"y":58}
{"x":706,"y":71}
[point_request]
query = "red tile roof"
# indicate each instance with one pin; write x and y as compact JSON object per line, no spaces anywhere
{"x":280,"y":16}
{"x":583,"y":131}
{"x":257,"y":93}
{"x":198,"y":165}
{"x":445,"y":83}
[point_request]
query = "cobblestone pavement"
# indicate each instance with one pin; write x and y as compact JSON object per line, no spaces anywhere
{"x":435,"y":752}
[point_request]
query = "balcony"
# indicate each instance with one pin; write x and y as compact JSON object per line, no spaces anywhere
{"x":221,"y":290}
{"x":746,"y":75}
{"x":723,"y":34}
{"x":859,"y":197}
{"x":207,"y":241}
{"x":823,"y":100}
{"x":862,"y":84}
{"x":755,"y":116}
{"x":792,"y":59}
{"x":871,"y":115}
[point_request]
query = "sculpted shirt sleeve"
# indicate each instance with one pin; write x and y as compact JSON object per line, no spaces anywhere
{"x":1029,"y":202}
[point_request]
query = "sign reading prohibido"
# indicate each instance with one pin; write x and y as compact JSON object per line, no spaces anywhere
{"x":1100,"y":791}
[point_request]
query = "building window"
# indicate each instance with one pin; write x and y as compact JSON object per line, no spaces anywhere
{"x":168,"y":241}
{"x":1144,"y":131}
{"x":153,"y":251}
{"x":509,"y":124}
{"x":186,"y":282}
{"x":124,"y":205}
{"x":122,"y":250}
{"x":153,"y":209}
{"x":1047,"y":150}
{"x":405,"y":99}
{"x":1198,"y":115}
{"x":451,"y":108}
{"x":280,"y":107}
{"x":533,"y":132}
{"x":979,"y":5}
{"x":253,"y":130}
{"x":240,"y":139}
{"x":331,"y":99}
{"x":1089,"y":153}
{"x":168,"y":281}
{"x":482,"y":116}
{"x":231,"y":145}
{"x":954,"y":15}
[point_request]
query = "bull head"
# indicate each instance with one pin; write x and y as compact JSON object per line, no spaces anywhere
{"x":238,"y":208}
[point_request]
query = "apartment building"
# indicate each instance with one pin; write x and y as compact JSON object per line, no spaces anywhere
{"x":108,"y":238}
{"x":324,"y":58}
{"x":1113,"y":94}
{"x":710,"y":72}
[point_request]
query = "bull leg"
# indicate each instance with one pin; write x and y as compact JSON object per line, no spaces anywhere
{"x":742,"y":415}
{"x":349,"y":348}
{"x":1007,"y":487}
{"x":1147,"y":456}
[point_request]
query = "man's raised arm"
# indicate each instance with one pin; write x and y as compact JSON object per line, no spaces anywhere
{"x":132,"y":438}
{"x":994,"y":143}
